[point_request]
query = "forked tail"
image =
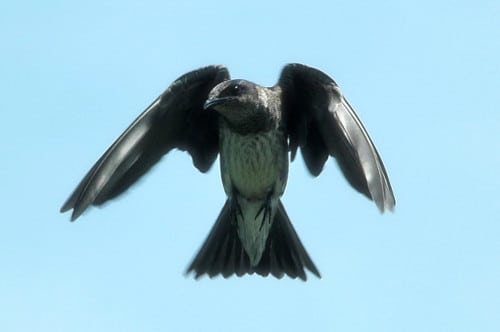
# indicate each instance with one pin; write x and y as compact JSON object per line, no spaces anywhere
{"x":222,"y":253}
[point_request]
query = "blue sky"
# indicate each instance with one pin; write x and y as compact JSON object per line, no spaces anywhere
{"x":422,"y":75}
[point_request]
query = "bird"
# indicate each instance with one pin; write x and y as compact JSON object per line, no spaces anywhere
{"x":255,"y":131}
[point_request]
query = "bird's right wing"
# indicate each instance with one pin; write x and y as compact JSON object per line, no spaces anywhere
{"x":176,"y":119}
{"x":322,"y":123}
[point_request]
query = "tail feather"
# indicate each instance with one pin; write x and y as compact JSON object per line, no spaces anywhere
{"x":223,"y":253}
{"x":284,"y":252}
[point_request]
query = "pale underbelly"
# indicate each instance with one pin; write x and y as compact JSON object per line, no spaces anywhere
{"x":254,"y":165}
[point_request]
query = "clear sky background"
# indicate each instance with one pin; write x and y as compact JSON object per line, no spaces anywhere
{"x":424,"y":76}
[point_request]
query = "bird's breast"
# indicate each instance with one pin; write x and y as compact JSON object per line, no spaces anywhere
{"x":254,"y":164}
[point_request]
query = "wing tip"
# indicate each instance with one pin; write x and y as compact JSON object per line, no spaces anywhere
{"x":64,"y":208}
{"x":386,"y":205}
{"x":77,"y":210}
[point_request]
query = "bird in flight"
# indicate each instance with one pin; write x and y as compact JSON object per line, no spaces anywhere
{"x":253,"y":129}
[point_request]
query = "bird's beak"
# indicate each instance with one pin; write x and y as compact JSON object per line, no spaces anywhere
{"x":210,"y":103}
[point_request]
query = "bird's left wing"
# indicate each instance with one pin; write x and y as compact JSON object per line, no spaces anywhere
{"x":176,"y":119}
{"x":320,"y":120}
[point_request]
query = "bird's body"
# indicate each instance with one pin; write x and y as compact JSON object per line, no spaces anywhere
{"x":254,"y":164}
{"x":254,"y":170}
{"x":253,"y":128}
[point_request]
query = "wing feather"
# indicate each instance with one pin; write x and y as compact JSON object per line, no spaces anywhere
{"x":322,"y":122}
{"x":176,"y":119}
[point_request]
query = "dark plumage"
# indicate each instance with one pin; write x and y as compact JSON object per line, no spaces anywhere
{"x":253,"y":128}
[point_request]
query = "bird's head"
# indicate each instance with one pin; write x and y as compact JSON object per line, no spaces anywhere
{"x":244,"y":105}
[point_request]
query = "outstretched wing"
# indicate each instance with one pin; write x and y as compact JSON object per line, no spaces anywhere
{"x":320,"y":120}
{"x":176,"y":119}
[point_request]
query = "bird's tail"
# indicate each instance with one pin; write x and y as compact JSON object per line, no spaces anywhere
{"x":223,"y":253}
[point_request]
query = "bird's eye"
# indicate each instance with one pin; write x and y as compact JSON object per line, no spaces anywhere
{"x":234,"y":90}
